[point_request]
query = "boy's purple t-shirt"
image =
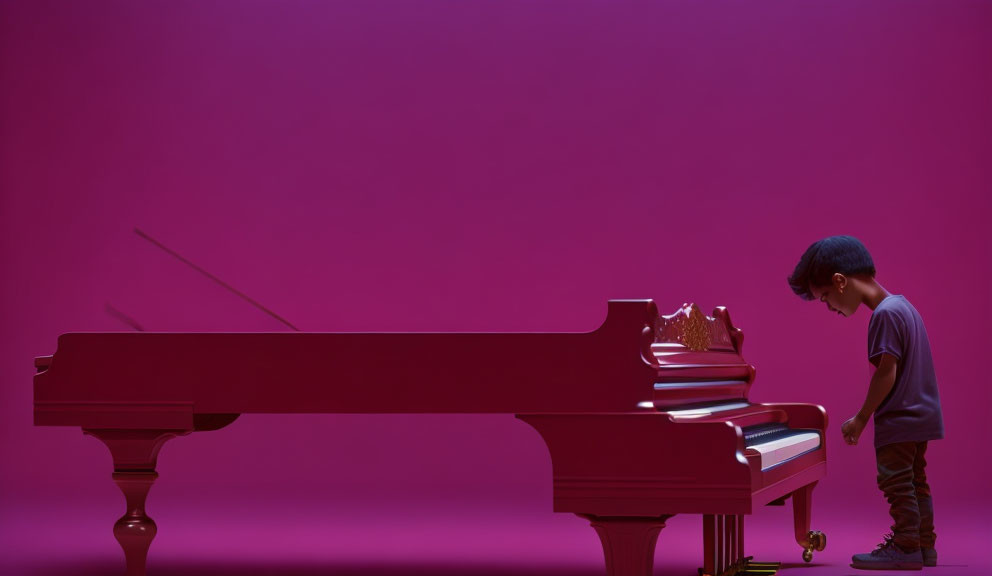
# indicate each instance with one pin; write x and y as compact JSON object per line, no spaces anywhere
{"x":911,"y":411}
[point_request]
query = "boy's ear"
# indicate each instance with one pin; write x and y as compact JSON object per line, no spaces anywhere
{"x":840,"y":281}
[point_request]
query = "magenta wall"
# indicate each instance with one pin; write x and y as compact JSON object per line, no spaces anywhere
{"x":486,"y":166}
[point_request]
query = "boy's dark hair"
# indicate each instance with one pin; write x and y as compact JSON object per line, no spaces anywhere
{"x":843,"y":254}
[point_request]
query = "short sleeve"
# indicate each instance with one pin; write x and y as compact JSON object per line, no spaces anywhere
{"x":885,"y":335}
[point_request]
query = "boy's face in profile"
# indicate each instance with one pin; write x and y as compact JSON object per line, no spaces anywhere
{"x":840,"y":296}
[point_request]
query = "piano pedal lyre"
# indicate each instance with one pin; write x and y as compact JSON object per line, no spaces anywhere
{"x":723,"y":549}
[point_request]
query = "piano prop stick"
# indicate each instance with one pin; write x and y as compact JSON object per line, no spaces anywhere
{"x":645,"y":417}
{"x":223,"y":284}
{"x":117,"y":314}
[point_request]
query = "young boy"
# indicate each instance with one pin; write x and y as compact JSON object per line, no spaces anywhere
{"x":902,"y":394}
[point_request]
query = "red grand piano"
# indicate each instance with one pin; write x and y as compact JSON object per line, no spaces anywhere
{"x":645,"y":417}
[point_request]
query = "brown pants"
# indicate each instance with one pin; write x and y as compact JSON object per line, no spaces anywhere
{"x":902,"y":477}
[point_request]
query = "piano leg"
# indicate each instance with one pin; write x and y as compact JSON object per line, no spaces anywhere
{"x":135,"y":530}
{"x":628,"y":542}
{"x":135,"y":453}
{"x":809,"y":540}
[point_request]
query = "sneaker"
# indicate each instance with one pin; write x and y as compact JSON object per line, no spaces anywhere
{"x":888,"y":556}
{"x":929,"y":556}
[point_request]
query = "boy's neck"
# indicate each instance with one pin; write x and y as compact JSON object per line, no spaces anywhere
{"x":872,"y":293}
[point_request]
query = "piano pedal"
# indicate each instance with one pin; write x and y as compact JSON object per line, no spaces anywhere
{"x":761,"y":568}
{"x":747,"y":567}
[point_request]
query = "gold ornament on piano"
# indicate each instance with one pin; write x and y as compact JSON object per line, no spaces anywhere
{"x":695,"y":333}
{"x":689,"y":327}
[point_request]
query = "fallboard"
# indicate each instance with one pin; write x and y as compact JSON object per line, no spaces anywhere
{"x":698,"y":359}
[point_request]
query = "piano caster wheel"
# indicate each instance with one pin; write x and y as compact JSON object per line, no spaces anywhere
{"x":817,"y":540}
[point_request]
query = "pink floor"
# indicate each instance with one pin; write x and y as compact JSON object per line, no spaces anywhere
{"x":266,"y":538}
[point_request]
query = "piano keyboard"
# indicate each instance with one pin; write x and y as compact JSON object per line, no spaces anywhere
{"x":777,"y":443}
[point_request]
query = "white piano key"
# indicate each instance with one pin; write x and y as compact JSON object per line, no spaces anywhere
{"x":776,"y":451}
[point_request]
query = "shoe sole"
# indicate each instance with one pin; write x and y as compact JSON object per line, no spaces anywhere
{"x":888,"y":566}
{"x":930,"y":564}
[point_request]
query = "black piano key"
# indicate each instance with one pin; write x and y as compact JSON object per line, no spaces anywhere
{"x":769,"y":432}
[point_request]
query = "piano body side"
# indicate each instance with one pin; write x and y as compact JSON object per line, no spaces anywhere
{"x":644,"y":464}
{"x":162,"y":380}
{"x":662,"y":463}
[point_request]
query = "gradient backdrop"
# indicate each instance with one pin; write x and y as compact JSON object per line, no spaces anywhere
{"x":477,"y":166}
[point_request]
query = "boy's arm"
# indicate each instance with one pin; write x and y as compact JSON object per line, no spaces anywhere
{"x":881,"y":384}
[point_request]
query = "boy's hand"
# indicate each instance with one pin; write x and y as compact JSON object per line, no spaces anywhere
{"x":852,"y":429}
